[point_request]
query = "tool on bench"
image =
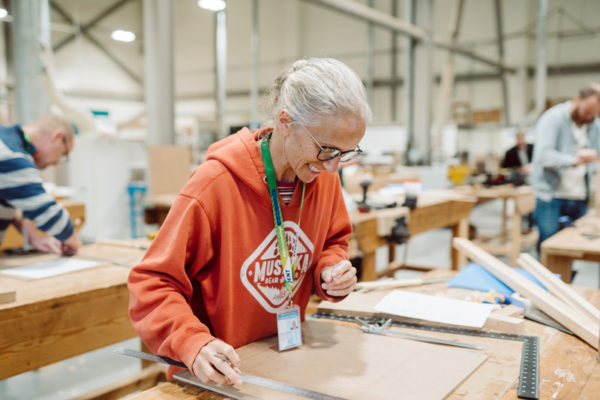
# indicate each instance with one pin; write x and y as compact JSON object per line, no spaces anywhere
{"x":396,"y":283}
{"x":188,"y":378}
{"x":530,"y":356}
{"x":382,"y":328}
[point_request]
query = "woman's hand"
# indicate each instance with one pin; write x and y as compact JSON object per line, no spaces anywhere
{"x":210,"y":364}
{"x":339,"y":279}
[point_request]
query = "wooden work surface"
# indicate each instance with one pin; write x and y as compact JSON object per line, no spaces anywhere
{"x":568,"y":366}
{"x":435,"y":210}
{"x":59,"y":317}
{"x":581,"y":242}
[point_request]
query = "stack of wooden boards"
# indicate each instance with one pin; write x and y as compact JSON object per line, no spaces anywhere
{"x":560,"y":302}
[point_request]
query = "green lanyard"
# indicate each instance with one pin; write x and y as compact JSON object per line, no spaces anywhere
{"x":288,"y":270}
{"x":28,"y":145}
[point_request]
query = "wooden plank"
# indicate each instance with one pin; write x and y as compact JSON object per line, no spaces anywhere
{"x":564,"y":314}
{"x":7,"y":296}
{"x":145,"y":379}
{"x":558,"y":287}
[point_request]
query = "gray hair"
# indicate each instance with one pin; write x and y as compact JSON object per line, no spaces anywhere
{"x":316,"y":88}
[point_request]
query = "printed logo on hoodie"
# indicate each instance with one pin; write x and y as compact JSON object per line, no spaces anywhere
{"x":262,"y":274}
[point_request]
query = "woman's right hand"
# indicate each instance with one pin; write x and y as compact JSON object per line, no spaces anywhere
{"x":210,"y":367}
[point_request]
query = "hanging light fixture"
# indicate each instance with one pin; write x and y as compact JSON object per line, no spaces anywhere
{"x":122,"y":36}
{"x":213,"y":5}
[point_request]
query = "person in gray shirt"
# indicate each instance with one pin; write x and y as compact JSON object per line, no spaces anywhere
{"x":566,"y":148}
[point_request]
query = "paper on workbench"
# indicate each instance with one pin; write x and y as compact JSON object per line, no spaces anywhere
{"x":49,"y":268}
{"x":433,"y":308}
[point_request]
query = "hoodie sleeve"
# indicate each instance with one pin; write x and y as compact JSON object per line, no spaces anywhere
{"x":336,"y":245}
{"x":161,"y":285}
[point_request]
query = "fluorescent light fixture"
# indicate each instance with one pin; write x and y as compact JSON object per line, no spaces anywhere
{"x":213,"y":5}
{"x":122,"y":36}
{"x":3,"y":13}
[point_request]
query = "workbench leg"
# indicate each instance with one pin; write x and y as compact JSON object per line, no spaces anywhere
{"x":504,"y":212}
{"x":559,"y":265}
{"x":515,"y":238}
{"x":368,"y":267}
{"x":459,"y":230}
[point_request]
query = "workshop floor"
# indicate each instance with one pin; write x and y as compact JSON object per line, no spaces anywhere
{"x":78,"y":375}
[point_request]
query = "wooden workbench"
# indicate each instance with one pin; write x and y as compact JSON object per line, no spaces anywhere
{"x":511,"y":240}
{"x":560,"y":250}
{"x":568,"y":366}
{"x":63,"y":316}
{"x":435,"y":210}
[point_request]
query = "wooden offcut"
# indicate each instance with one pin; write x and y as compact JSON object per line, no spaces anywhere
{"x":543,"y":300}
{"x":558,"y":287}
{"x":7,"y":296}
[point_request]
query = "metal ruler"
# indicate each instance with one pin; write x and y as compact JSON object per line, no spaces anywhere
{"x":530,"y":355}
{"x":187,"y":377}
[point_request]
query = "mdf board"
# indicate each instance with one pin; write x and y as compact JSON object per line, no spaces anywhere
{"x":345,"y":362}
{"x":169,"y":168}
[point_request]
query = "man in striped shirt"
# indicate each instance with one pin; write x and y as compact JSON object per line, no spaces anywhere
{"x":23,"y":201}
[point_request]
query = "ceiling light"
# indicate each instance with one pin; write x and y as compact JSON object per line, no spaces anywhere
{"x":213,"y":5}
{"x":3,"y":13}
{"x":122,"y":36}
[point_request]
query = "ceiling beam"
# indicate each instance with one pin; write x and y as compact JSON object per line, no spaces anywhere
{"x":98,"y":45}
{"x":382,"y":19}
{"x":84,"y":28}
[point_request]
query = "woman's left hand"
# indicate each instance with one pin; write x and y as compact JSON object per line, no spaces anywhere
{"x":339,"y":279}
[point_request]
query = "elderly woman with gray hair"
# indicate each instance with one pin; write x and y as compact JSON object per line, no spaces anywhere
{"x":258,"y":225}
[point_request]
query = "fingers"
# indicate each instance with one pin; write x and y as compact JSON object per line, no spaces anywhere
{"x":46,"y":244}
{"x":217,"y":362}
{"x":339,"y":279}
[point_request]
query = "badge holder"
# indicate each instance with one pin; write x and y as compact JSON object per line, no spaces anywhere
{"x":288,"y":328}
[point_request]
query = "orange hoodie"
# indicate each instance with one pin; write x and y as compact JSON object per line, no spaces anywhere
{"x":214,"y":271}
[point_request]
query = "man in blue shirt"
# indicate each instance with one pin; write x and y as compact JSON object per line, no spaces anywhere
{"x":566,"y":149}
{"x":24,"y":151}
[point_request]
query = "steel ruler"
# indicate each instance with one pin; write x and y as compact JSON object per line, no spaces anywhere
{"x":188,"y":378}
{"x":530,"y":355}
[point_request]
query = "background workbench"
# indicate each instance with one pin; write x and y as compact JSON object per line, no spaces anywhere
{"x":435,"y":210}
{"x":509,"y":241}
{"x":580,"y":242}
{"x":568,"y":366}
{"x":63,"y":316}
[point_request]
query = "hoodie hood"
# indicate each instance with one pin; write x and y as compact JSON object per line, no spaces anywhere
{"x":240,"y":155}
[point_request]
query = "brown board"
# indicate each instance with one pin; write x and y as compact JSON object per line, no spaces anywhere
{"x":345,"y":362}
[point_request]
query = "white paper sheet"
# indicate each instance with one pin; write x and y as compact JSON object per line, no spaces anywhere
{"x":432,"y":308}
{"x":49,"y":268}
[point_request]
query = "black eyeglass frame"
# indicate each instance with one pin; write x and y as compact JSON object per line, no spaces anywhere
{"x":335,"y":152}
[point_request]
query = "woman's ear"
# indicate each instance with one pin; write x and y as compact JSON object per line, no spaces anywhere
{"x":284,"y":121}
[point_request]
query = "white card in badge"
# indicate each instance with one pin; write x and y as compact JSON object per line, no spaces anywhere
{"x":287,"y":271}
{"x":288,"y":328}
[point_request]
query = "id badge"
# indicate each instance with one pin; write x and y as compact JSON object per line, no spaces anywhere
{"x":288,"y":328}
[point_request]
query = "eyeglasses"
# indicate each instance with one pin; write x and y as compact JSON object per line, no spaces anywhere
{"x":329,"y":153}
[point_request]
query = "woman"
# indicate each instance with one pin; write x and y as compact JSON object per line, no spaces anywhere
{"x":258,"y":224}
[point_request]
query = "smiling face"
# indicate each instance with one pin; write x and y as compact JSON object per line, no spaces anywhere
{"x":301,"y":150}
